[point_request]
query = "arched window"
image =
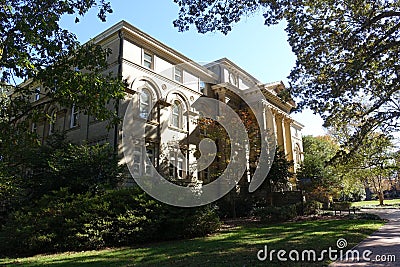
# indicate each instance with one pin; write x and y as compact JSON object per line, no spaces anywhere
{"x":144,"y":104}
{"x":176,"y":119}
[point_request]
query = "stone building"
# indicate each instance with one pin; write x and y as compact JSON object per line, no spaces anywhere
{"x":162,"y":78}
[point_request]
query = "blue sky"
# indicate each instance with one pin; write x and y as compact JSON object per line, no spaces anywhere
{"x":262,"y":51}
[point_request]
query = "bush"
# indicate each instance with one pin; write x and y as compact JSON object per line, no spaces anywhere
{"x":179,"y":223}
{"x":276,"y":214}
{"x":312,"y":207}
{"x":67,"y":222}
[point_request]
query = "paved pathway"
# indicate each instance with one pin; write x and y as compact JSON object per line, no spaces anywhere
{"x":384,"y":243}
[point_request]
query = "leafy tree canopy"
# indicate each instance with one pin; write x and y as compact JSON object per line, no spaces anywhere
{"x":347,"y":52}
{"x":316,"y":176}
{"x":36,"y":51}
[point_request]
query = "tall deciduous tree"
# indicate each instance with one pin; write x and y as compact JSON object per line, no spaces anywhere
{"x":347,"y":53}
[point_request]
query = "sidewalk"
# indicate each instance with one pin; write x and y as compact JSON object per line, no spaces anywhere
{"x":384,"y":243}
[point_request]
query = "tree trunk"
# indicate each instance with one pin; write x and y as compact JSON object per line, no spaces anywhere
{"x":380,"y":195}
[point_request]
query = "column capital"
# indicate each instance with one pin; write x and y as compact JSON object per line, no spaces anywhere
{"x":288,"y":120}
{"x":279,"y":116}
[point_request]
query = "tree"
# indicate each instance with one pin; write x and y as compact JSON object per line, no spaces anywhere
{"x":373,"y":164}
{"x":35,"y":50}
{"x":347,"y":54}
{"x":317,"y":178}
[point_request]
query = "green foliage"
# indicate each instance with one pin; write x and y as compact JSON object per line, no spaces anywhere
{"x":346,"y":50}
{"x":317,"y":178}
{"x":312,"y":207}
{"x":276,"y":214}
{"x":40,"y":53}
{"x":370,"y":165}
{"x":176,"y":223}
{"x":353,"y":192}
{"x":29,"y":42}
{"x":64,"y":221}
{"x":279,"y":173}
{"x":78,"y":168}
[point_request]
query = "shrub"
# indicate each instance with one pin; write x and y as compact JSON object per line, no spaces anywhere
{"x":188,"y":222}
{"x":63,"y":221}
{"x":312,"y":207}
{"x":276,"y":214}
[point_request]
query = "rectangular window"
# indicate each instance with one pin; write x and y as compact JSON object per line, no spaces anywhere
{"x":34,"y":127}
{"x":74,"y":117}
{"x":37,"y":94}
{"x":178,"y":75}
{"x":172,"y":169}
{"x":148,"y":165}
{"x":180,"y":168}
{"x":148,"y":60}
{"x":137,"y":160}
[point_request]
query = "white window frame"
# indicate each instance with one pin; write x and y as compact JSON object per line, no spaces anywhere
{"x":178,"y":74}
{"x":143,"y":105}
{"x":74,"y":121}
{"x":176,"y":116}
{"x":146,"y":62}
{"x":176,"y":166}
{"x":140,"y":165}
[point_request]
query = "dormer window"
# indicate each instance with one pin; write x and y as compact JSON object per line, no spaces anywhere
{"x":148,"y":60}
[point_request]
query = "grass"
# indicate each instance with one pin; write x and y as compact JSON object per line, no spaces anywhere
{"x":388,"y":203}
{"x":235,"y":246}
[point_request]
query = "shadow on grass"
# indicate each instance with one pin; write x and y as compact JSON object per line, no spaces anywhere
{"x":234,"y":247}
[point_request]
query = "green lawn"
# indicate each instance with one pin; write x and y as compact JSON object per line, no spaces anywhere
{"x":388,"y":203}
{"x":236,"y":246}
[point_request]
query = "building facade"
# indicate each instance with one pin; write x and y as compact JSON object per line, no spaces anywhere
{"x":163,"y":85}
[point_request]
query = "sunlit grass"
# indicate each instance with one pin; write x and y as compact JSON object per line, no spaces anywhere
{"x":388,"y":203}
{"x":233,"y":247}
